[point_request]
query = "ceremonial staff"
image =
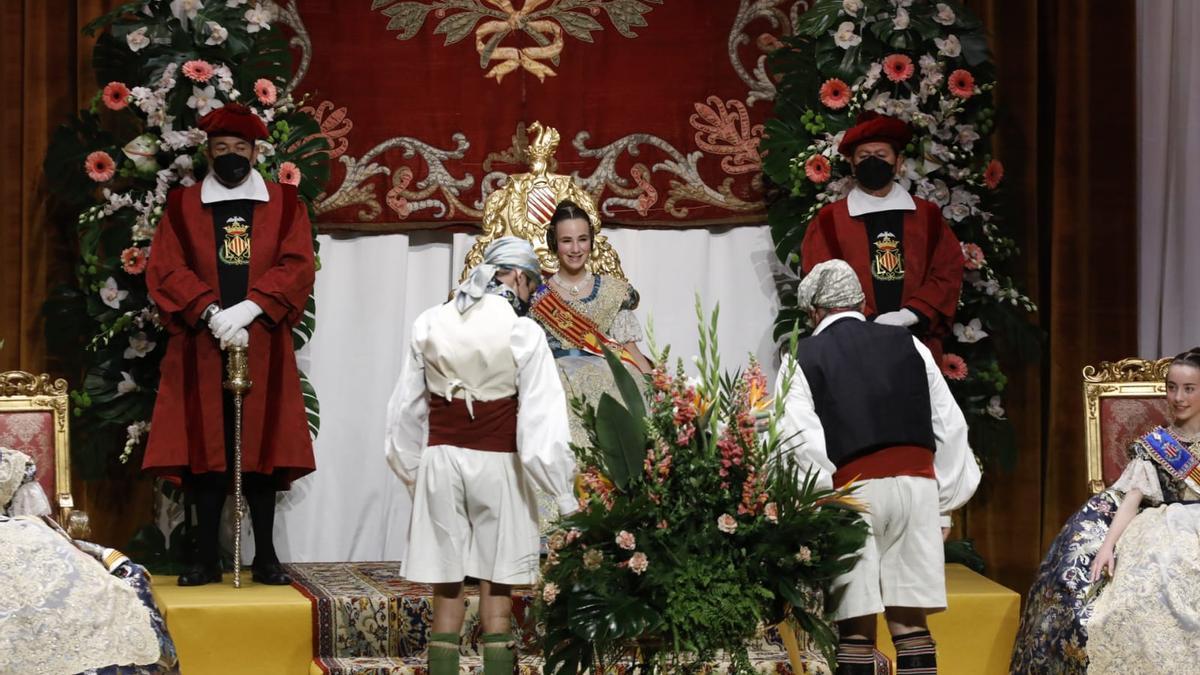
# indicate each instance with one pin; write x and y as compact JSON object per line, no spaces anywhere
{"x":238,"y":383}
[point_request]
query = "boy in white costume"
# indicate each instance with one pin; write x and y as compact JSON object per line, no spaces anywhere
{"x":868,"y":403}
{"x":477,"y":419}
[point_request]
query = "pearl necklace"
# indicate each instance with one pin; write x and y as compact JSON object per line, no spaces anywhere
{"x":573,"y":289}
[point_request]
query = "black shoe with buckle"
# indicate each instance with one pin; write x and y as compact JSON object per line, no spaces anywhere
{"x":271,"y":574}
{"x":200,"y":574}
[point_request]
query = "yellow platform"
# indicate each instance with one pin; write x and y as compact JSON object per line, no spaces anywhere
{"x":252,"y":630}
{"x":975,"y":634}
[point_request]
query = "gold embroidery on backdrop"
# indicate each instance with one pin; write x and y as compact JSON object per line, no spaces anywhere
{"x":493,"y":21}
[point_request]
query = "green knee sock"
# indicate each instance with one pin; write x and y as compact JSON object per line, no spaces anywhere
{"x":443,"y":654}
{"x":499,"y":654}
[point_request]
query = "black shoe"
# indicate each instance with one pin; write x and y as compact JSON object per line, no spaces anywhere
{"x":200,"y":574}
{"x":271,"y":574}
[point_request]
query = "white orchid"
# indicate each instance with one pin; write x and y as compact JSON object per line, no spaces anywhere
{"x":970,"y":333}
{"x":217,"y":33}
{"x":139,"y":345}
{"x":204,"y":100}
{"x":901,"y":20}
{"x":995,"y":408}
{"x":845,"y":37}
{"x":949,"y":47}
{"x":234,"y":3}
{"x":852,"y":7}
{"x":967,"y":136}
{"x":111,"y":295}
{"x":874,"y":72}
{"x":944,"y":14}
{"x":186,"y":10}
{"x":137,"y":39}
{"x":126,"y":385}
{"x":258,"y":18}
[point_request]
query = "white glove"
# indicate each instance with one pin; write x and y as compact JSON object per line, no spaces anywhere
{"x":241,"y":338}
{"x":229,"y":321}
{"x":901,"y":317}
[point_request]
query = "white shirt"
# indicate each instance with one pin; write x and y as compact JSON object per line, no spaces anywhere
{"x":543,"y":435}
{"x":954,"y":463}
{"x":254,"y":187}
{"x":897,"y":199}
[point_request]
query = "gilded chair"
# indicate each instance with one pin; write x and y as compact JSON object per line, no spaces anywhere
{"x":33,"y":420}
{"x":1122,"y":400}
{"x":523,"y":208}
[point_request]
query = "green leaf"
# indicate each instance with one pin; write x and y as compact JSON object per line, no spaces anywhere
{"x":622,"y":441}
{"x":630,"y":394}
{"x":304,"y":330}
{"x":312,"y":406}
{"x":579,"y":25}
{"x":457,"y":26}
{"x":103,"y":20}
{"x":819,"y":19}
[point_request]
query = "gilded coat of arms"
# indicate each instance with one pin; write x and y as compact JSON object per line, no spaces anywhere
{"x":236,"y":248}
{"x":888,"y":262}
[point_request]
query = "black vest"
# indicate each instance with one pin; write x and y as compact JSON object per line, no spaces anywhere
{"x":869,"y":387}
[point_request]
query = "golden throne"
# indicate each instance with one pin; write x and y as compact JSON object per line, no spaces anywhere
{"x":1122,"y":401}
{"x":523,"y":207}
{"x":33,"y":420}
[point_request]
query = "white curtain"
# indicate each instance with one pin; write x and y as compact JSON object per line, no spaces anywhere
{"x":1169,"y":176}
{"x":371,"y":288}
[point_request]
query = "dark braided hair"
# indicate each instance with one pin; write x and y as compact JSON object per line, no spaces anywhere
{"x":566,"y":210}
{"x":1189,"y":358}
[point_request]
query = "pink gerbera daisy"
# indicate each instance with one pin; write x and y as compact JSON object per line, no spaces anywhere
{"x":289,"y":174}
{"x":954,"y":367}
{"x":835,"y":95}
{"x":264,"y":89}
{"x":817,"y":169}
{"x":198,"y":70}
{"x":116,"y":95}
{"x":100,"y":166}
{"x":134,"y":259}
{"x":898,"y":67}
{"x":993,"y":174}
{"x":961,"y":83}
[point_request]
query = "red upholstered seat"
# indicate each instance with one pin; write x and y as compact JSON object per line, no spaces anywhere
{"x":33,"y":420}
{"x":1123,"y":400}
{"x":1122,"y":421}
{"x":32,"y":432}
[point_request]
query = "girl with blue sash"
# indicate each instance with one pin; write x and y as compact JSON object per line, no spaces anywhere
{"x":1119,"y":589}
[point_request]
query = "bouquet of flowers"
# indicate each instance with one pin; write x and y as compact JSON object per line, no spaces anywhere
{"x":695,"y":529}
{"x":161,"y":65}
{"x":925,"y":62}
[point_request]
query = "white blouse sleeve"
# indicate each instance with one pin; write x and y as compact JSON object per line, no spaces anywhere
{"x":954,"y":462}
{"x":543,"y":435}
{"x":1140,"y":474}
{"x":801,"y":429}
{"x":408,"y":414}
{"x":625,"y":327}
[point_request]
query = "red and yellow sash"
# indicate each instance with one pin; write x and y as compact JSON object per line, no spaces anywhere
{"x":576,"y":328}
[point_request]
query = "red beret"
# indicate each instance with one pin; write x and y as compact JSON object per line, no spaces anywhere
{"x":234,"y":119}
{"x":871,"y":126}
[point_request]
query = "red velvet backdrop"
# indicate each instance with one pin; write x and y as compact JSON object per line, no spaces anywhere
{"x":658,"y":105}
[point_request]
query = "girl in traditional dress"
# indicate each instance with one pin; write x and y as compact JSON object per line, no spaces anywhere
{"x":1119,"y":590}
{"x":580,"y":311}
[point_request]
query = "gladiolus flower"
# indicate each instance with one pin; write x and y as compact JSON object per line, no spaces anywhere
{"x":817,"y":169}
{"x":973,"y":257}
{"x":898,"y":67}
{"x":626,"y":540}
{"x":954,"y":367}
{"x":638,"y":563}
{"x":835,"y":94}
{"x":134,"y":259}
{"x":100,"y":166}
{"x":961,"y":83}
{"x":116,"y":95}
{"x":727,"y":524}
{"x":550,"y":592}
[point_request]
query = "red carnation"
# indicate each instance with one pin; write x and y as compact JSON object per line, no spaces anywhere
{"x":835,"y":94}
{"x":898,"y":67}
{"x":116,"y":95}
{"x":993,"y":174}
{"x":961,"y":83}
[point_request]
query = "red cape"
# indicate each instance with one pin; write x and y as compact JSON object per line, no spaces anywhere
{"x":933,"y":261}
{"x":187,"y":430}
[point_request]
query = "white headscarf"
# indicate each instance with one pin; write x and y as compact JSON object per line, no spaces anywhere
{"x":504,"y":253}
{"x":832,"y":283}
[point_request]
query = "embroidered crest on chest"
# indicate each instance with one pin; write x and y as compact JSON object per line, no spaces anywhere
{"x":887,"y":263}
{"x":236,"y":248}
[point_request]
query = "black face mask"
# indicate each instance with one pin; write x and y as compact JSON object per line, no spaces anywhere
{"x":232,"y":169}
{"x":873,"y":173}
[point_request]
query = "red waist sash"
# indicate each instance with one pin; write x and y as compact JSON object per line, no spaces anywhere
{"x":493,"y":429}
{"x":898,"y":460}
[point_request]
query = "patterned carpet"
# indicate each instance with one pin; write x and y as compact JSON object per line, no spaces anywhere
{"x":367,"y":620}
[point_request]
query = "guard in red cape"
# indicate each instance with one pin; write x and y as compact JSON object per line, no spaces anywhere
{"x":907,"y":259}
{"x":231,"y":264}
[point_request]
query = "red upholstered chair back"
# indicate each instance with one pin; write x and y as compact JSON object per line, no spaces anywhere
{"x":33,"y":420}
{"x":1122,"y":401}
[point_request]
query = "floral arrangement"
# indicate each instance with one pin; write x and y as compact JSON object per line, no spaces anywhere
{"x":161,"y":65}
{"x":694,"y":530}
{"x":927,"y":63}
